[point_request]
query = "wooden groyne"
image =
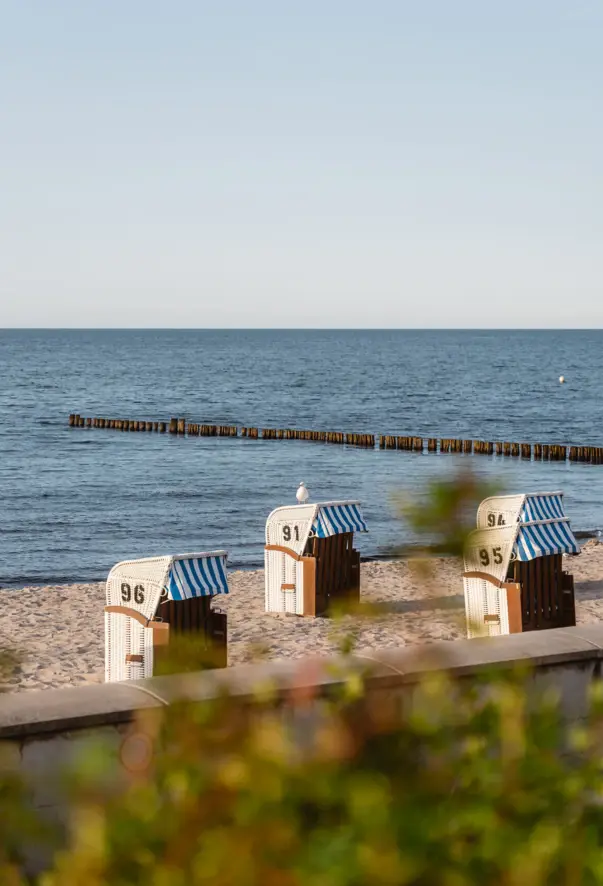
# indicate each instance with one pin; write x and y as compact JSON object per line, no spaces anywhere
{"x":367,"y":440}
{"x":528,"y":451}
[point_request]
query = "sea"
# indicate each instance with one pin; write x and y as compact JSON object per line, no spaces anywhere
{"x":73,"y":502}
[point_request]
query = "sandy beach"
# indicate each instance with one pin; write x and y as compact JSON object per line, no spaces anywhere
{"x":59,"y":636}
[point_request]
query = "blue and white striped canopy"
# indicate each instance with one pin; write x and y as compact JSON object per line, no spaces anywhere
{"x":542,"y":507}
{"x":335,"y":519}
{"x":203,"y":576}
{"x":542,"y":538}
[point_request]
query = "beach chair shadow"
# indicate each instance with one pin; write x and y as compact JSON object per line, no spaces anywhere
{"x":424,"y":604}
{"x":589,"y":590}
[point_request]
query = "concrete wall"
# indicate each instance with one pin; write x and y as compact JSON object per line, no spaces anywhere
{"x":43,"y":731}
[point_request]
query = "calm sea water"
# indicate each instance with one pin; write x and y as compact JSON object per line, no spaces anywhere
{"x":74,"y":502}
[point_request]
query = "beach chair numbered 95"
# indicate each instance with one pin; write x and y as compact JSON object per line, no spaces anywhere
{"x":150,"y":599}
{"x":514,"y":579}
{"x":310,"y":560}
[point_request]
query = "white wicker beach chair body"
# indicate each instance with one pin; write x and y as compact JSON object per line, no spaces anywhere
{"x":133,"y":586}
{"x":135,"y":589}
{"x":288,"y":530}
{"x":510,"y":527}
{"x":487,"y":553}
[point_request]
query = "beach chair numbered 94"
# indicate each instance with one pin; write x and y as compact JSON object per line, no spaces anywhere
{"x":148,"y":600}
{"x":310,"y":561}
{"x":514,"y":579}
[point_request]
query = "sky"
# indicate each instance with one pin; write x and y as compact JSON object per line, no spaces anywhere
{"x":331,"y":163}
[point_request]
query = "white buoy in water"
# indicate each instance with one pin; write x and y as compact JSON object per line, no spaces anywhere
{"x":302,"y":493}
{"x":561,"y":379}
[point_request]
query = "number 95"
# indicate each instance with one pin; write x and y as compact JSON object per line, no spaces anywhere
{"x":484,"y":556}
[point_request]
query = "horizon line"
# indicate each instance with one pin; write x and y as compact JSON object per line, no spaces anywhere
{"x":301,"y":328}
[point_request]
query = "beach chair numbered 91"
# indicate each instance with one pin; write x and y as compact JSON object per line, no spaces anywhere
{"x":310,"y":560}
{"x":514,"y":579}
{"x":148,"y":600}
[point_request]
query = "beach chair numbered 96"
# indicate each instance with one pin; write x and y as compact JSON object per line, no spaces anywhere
{"x":150,"y":599}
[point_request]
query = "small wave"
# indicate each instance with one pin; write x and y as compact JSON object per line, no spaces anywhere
{"x":190,"y":493}
{"x":85,"y":442}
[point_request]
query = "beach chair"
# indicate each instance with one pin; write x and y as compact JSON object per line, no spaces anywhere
{"x":151,"y":599}
{"x":513,"y":578}
{"x":310,"y":561}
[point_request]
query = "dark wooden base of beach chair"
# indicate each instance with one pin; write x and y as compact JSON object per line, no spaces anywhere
{"x":547,"y":593}
{"x":336,"y":574}
{"x":196,"y":618}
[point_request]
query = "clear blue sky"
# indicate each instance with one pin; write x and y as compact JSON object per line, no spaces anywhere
{"x":275,"y":163}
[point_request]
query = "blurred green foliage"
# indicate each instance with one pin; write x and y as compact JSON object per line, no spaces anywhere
{"x":465,"y":784}
{"x":444,"y":515}
{"x":453,"y":783}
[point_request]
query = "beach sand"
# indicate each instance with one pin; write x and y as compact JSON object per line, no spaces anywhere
{"x":58,"y":631}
